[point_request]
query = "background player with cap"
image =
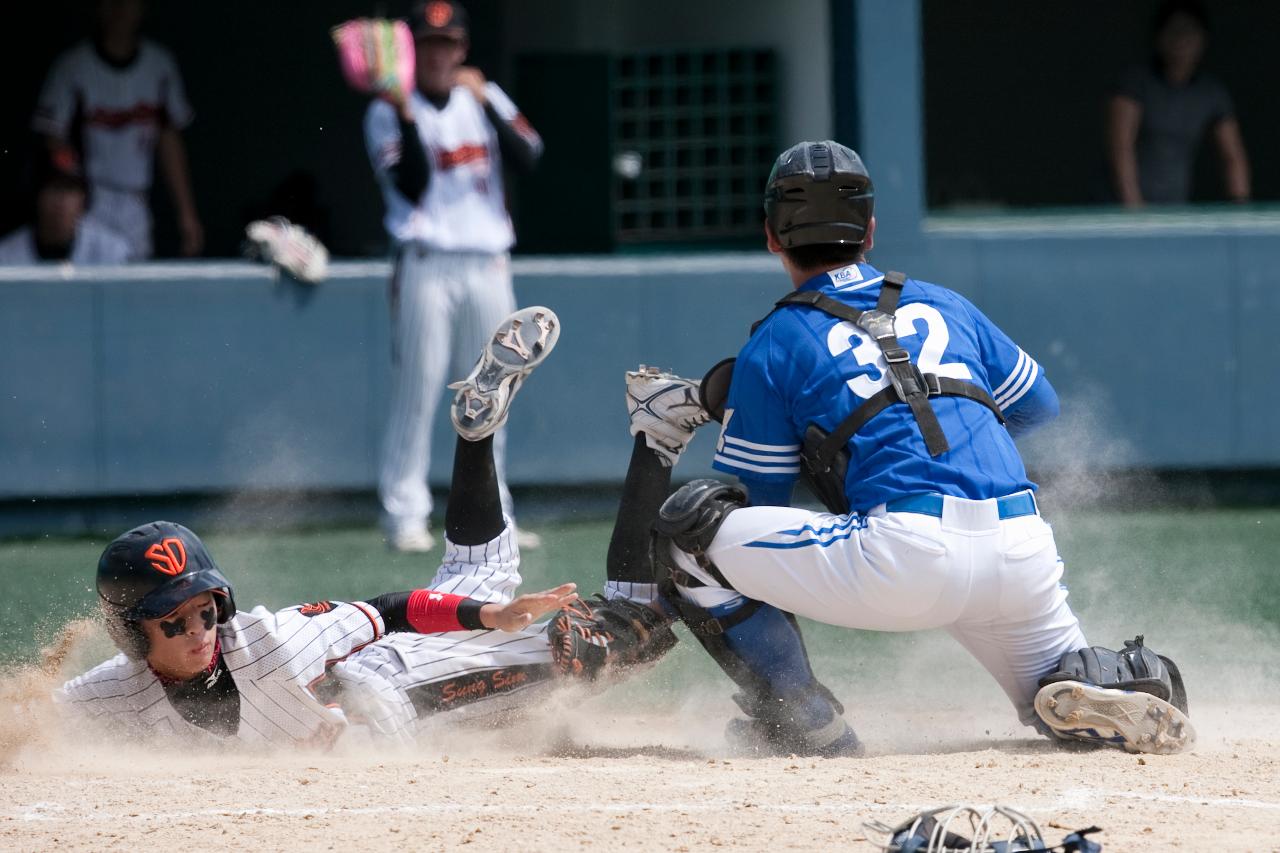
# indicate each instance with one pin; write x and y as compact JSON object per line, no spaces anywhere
{"x":899,"y":400}
{"x":437,"y":146}
{"x":192,"y":664}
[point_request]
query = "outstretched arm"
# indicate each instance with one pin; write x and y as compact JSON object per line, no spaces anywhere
{"x":425,"y":611}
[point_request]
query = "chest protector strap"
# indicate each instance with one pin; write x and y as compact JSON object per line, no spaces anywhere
{"x":908,"y":384}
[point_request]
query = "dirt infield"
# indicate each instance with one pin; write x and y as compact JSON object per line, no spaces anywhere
{"x":591,"y":775}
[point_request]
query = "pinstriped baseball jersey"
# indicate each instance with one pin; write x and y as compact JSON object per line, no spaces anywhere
{"x":804,"y":367}
{"x":276,"y":660}
{"x":464,"y":208}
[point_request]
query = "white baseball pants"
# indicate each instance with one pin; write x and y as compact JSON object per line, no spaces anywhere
{"x":444,"y":306}
{"x":993,"y":584}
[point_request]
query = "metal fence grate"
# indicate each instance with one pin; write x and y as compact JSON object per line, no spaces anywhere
{"x":694,"y":135}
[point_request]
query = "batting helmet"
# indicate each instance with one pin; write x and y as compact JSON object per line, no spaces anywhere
{"x":149,"y":572}
{"x":819,"y":192}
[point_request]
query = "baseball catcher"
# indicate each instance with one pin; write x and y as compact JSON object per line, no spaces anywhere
{"x":899,"y":402}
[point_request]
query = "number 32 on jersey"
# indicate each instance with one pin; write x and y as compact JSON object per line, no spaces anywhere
{"x":867,"y":352}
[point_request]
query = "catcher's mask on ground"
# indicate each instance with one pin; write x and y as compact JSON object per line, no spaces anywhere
{"x":149,"y":572}
{"x":819,"y":192}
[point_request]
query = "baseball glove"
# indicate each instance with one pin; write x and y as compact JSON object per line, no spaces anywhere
{"x":376,"y":56}
{"x":599,"y":636}
{"x":290,"y":247}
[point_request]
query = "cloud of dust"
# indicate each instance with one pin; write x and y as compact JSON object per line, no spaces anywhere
{"x":26,"y":691}
{"x":1080,"y":457}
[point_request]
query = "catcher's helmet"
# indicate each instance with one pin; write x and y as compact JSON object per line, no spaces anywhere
{"x":819,"y":192}
{"x":148,"y":572}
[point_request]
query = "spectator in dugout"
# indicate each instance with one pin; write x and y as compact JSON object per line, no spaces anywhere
{"x":117,"y":100}
{"x":1161,"y":111}
{"x":58,"y":229}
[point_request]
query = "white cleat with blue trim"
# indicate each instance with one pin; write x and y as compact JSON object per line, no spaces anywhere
{"x":666,"y":408}
{"x":1136,"y":722}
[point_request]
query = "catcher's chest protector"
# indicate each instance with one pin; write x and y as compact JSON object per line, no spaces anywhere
{"x":907,"y":384}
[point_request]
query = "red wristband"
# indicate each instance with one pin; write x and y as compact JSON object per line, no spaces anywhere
{"x":429,"y":612}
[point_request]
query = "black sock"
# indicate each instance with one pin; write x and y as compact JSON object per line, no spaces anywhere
{"x":647,"y":486}
{"x":474,"y":513}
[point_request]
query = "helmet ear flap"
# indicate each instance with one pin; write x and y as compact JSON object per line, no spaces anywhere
{"x":226,"y":604}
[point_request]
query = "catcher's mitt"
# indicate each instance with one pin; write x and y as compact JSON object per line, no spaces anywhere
{"x":376,"y":56}
{"x":599,"y":636}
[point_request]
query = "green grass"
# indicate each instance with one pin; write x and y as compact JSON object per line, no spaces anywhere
{"x":1201,"y":583}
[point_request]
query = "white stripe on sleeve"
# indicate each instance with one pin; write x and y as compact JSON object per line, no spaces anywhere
{"x":1019,"y":390}
{"x":768,"y":448}
{"x":1018,"y":368}
{"x":792,"y":468}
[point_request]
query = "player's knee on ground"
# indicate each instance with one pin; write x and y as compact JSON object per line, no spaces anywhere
{"x":688,"y":522}
{"x":599,"y":637}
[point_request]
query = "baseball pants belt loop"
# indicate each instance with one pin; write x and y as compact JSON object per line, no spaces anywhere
{"x":1009,"y":506}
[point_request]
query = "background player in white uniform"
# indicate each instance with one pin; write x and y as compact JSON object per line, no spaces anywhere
{"x":60,"y":230}
{"x":438,"y":154}
{"x":901,"y":402}
{"x":192,"y":665}
{"x":118,"y":100}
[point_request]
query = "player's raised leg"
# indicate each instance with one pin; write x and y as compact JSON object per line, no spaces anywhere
{"x":482,"y":559}
{"x":629,"y":625}
{"x":664,"y":411}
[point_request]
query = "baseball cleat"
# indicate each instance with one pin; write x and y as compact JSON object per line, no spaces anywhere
{"x":519,"y":345}
{"x":1136,"y":722}
{"x":665,"y":408}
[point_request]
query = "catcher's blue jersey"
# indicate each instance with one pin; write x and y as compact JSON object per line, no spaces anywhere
{"x":803,"y":366}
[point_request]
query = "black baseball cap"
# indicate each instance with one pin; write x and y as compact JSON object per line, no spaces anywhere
{"x":438,"y":18}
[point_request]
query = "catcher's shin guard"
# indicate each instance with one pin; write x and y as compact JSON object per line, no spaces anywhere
{"x":1133,"y":698}
{"x":757,"y":645}
{"x":761,"y":649}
